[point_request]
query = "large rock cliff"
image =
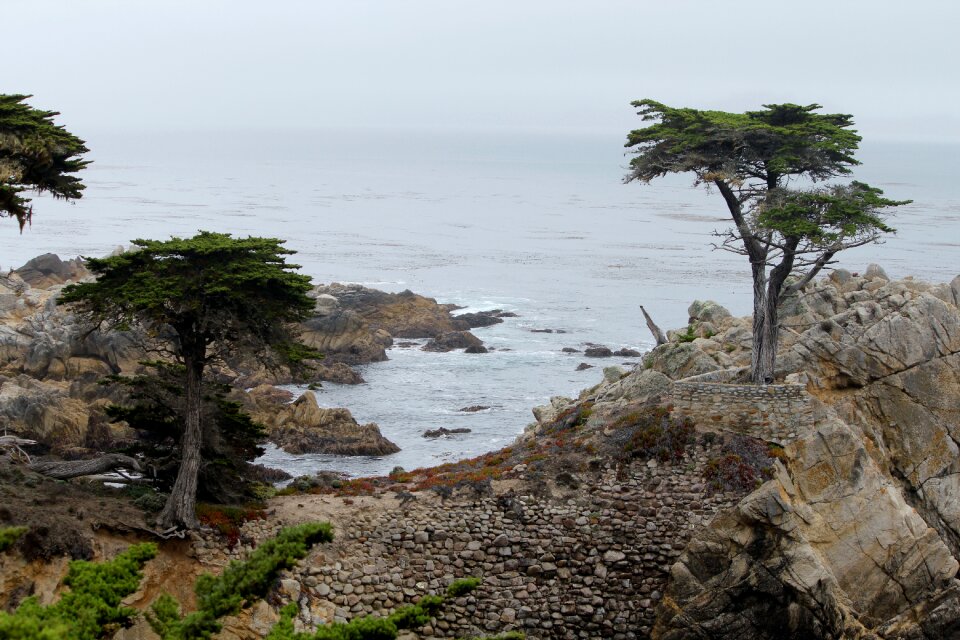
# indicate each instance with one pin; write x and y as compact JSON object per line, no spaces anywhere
{"x":857,"y":535}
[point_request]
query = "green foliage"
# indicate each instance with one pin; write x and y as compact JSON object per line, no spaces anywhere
{"x":203,"y":298}
{"x":210,"y":289}
{"x":760,"y":161}
{"x":9,"y":535}
{"x":370,"y":627}
{"x":240,"y":583}
{"x":781,"y":140}
{"x":89,"y":608}
{"x":155,"y":407}
{"x":688,"y":336}
{"x":462,"y":587}
{"x":827,"y":216}
{"x":37,"y":155}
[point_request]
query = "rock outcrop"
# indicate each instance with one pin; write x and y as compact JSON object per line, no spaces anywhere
{"x":858,"y":533}
{"x":455,"y":340}
{"x":305,"y":427}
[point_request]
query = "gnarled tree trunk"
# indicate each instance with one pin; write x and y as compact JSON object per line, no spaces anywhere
{"x":181,"y":507}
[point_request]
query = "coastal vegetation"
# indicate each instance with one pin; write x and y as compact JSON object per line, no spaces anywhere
{"x":199,"y":299}
{"x":762,"y":162}
{"x":35,"y":155}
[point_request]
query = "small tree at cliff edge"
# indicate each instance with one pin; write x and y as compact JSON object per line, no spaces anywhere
{"x":751,"y":158}
{"x":199,"y":298}
{"x":36,"y":155}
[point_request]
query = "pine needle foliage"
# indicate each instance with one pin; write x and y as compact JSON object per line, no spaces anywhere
{"x":90,"y":608}
{"x":35,"y":155}
{"x":764,"y":164}
{"x":200,"y":299}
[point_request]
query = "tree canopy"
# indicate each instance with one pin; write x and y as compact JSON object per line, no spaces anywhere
{"x":199,"y":299}
{"x":766,"y":165}
{"x":35,"y":155}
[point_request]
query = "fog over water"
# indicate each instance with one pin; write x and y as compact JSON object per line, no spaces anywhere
{"x":534,"y":223}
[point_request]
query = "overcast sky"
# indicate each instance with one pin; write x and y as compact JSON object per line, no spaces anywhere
{"x":545,"y":64}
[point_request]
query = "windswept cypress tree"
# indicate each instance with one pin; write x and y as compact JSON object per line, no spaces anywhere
{"x":200,"y":298}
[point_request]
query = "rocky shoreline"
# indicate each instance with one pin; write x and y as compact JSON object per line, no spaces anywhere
{"x":615,"y":515}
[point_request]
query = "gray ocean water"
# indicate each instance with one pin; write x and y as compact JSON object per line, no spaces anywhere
{"x":535,"y":223}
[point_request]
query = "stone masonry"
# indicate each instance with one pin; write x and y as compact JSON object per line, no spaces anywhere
{"x":589,"y":563}
{"x":777,"y":413}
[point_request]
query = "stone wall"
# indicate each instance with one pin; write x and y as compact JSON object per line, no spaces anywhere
{"x":774,"y":412}
{"x":585,"y":564}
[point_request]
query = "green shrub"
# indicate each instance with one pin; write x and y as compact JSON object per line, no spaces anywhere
{"x":89,"y":608}
{"x":10,"y":535}
{"x":240,"y":584}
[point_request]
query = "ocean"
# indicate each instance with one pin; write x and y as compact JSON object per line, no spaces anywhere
{"x":537,"y":223}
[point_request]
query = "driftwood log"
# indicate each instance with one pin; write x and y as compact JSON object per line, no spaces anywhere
{"x":12,"y":444}
{"x":63,"y":470}
{"x":654,"y":329}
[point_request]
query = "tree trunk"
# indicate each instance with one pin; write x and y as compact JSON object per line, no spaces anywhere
{"x":765,"y":357}
{"x":181,"y":507}
{"x":760,"y":333}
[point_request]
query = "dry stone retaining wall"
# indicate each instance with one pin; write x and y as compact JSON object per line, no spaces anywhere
{"x":589,"y":564}
{"x":774,"y":412}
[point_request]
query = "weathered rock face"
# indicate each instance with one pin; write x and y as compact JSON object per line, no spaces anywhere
{"x":304,"y":427}
{"x":454,"y":340}
{"x":401,"y":315}
{"x":345,"y":337}
{"x":859,"y":533}
{"x":47,"y":270}
{"x":828,"y":549}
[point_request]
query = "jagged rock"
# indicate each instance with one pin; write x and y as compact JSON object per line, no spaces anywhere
{"x":570,"y":350}
{"x":345,"y":337}
{"x":476,"y":349}
{"x":680,"y":360}
{"x":627,"y":353}
{"x":638,"y":386}
{"x":304,"y":427}
{"x":453,"y":340}
{"x":707,"y":311}
{"x":875,"y":271}
{"x":338,"y":373}
{"x":824,"y":551}
{"x":479,"y":319}
{"x":401,"y":315}
{"x":46,"y":411}
{"x":48,"y":269}
{"x":546,"y":414}
{"x":473,"y":408}
{"x":583,"y":366}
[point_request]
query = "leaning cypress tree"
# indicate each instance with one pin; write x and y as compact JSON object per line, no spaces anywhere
{"x":755,"y":160}
{"x":199,"y":299}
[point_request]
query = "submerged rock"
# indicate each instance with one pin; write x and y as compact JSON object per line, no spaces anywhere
{"x":443,"y":431}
